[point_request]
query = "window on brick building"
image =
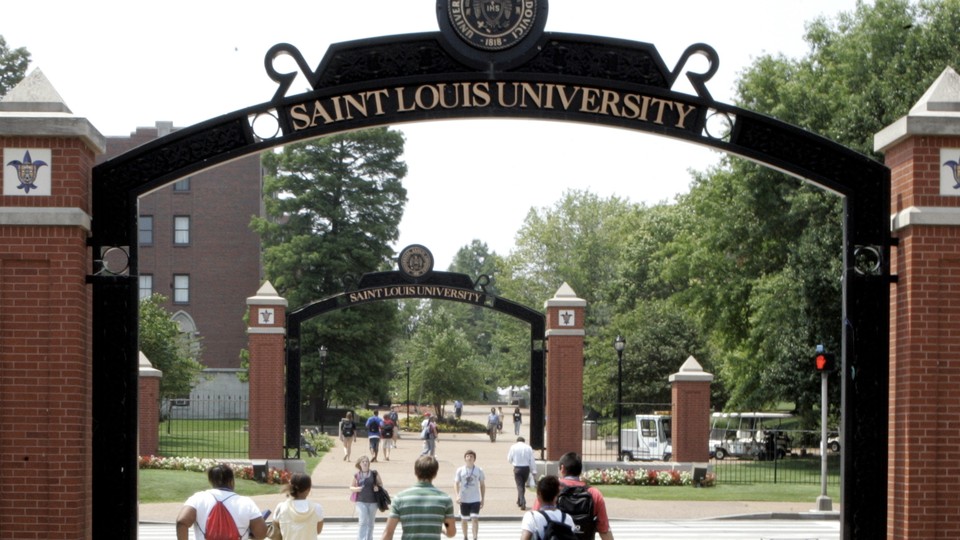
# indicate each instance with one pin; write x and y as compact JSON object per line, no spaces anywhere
{"x":181,"y":289}
{"x":146,"y":286}
{"x":181,"y":186}
{"x":145,"y":223}
{"x":181,"y":230}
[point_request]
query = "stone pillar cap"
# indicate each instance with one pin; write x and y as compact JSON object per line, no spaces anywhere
{"x":936,"y":113}
{"x":691,"y":371}
{"x":34,"y":108}
{"x":267,"y":296}
{"x":146,"y":368}
{"x":565,"y":297}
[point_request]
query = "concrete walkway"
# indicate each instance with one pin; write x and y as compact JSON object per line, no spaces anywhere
{"x":332,"y":477}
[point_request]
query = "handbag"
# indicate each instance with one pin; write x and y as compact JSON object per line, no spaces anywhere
{"x":383,"y":499}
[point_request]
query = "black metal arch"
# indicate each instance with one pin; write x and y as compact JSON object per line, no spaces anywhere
{"x":381,"y":286}
{"x":412,"y":78}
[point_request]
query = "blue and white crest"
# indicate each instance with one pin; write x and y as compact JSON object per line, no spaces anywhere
{"x":31,"y":174}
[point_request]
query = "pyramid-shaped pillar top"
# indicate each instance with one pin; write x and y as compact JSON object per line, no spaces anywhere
{"x":937,"y":113}
{"x":34,"y":108}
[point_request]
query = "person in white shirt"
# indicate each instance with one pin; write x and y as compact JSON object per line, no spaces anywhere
{"x":244,"y":511}
{"x":298,"y":518}
{"x":470,"y":487}
{"x":533,"y":524}
{"x":520,"y":456}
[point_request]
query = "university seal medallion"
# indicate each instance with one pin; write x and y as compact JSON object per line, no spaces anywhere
{"x":492,"y":25}
{"x":415,"y":261}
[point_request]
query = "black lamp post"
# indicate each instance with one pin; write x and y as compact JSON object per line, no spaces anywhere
{"x":619,"y":344}
{"x":408,"y":393}
{"x":323,"y":384}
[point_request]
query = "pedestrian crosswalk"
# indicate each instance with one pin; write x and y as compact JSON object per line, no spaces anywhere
{"x":754,"y":529}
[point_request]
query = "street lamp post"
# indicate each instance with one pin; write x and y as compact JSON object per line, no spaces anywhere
{"x":323,"y":385}
{"x":408,"y":394}
{"x":619,"y":344}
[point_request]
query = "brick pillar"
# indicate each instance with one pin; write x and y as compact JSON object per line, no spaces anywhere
{"x":148,"y":418}
{"x":921,"y":151}
{"x":690,"y":394}
{"x":45,"y":315}
{"x":565,"y":318}
{"x":266,"y":333}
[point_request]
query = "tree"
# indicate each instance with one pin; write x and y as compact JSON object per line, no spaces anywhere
{"x":13,"y":66}
{"x":759,"y":259}
{"x":168,"y":349}
{"x":333,"y":207}
{"x":443,"y":363}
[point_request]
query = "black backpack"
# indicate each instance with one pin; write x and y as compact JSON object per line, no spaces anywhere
{"x":346,"y":427}
{"x":557,"y":530}
{"x":386,"y":430}
{"x":577,"y":501}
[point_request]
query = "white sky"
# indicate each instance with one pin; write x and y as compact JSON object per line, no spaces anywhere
{"x":124,"y":64}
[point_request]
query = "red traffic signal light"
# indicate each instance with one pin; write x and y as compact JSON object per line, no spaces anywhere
{"x":824,"y":362}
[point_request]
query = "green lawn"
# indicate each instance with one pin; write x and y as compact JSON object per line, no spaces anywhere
{"x":171,"y":486}
{"x":226,"y":438}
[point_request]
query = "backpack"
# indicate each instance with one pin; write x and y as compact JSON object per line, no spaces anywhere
{"x":577,"y":501}
{"x":557,"y":530}
{"x":220,"y":524}
{"x":346,"y":427}
{"x":386,"y":430}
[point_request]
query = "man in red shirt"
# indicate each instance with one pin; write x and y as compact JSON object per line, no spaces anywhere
{"x":571,"y":467}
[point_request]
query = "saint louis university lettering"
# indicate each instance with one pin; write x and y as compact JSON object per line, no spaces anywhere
{"x":416,"y":291}
{"x":494,"y":95}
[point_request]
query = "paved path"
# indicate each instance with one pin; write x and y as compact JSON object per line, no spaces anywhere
{"x":333,"y":475}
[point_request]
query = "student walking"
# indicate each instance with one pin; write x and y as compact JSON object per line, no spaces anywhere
{"x":366,"y":483}
{"x":470,"y":486}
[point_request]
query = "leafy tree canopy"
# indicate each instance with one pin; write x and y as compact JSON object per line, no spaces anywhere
{"x":13,"y":66}
{"x":169,"y":350}
{"x":333,"y":207}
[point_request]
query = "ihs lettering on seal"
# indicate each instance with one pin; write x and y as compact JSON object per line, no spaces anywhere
{"x":415,"y":261}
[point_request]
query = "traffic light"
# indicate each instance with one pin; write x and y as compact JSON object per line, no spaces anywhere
{"x":824,"y":361}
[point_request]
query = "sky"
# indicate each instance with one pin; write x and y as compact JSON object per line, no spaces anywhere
{"x":124,"y":65}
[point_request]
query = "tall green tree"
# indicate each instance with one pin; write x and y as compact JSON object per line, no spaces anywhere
{"x":169,"y":350}
{"x":443,"y":362}
{"x":13,"y":66}
{"x":333,"y":208}
{"x":759,"y":259}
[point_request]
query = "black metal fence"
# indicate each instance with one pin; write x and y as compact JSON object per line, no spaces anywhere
{"x":205,"y":427}
{"x":792,"y":458}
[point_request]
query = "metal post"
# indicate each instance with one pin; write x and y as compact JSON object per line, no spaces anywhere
{"x":408,"y":393}
{"x":824,"y":503}
{"x":323,"y":384}
{"x":619,"y":344}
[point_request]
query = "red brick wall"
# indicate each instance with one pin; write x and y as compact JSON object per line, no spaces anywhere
{"x":925,"y":353}
{"x":45,"y":375}
{"x":691,"y":421}
{"x":148,"y":418}
{"x":267,"y":386}
{"x":564,"y":386}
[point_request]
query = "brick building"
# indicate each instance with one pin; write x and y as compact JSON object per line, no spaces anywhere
{"x":197,"y":249}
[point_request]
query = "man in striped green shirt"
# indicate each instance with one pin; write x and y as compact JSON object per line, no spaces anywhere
{"x":422,"y":510}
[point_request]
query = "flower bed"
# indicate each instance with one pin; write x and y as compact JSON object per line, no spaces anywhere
{"x":241,"y":470}
{"x":644,"y":477}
